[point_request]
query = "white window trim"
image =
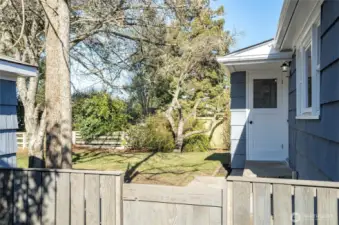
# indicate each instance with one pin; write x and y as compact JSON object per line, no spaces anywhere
{"x":308,"y":38}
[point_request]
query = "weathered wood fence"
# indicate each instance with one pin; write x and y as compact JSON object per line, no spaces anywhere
{"x":42,"y":196}
{"x":117,"y":139}
{"x":166,"y":205}
{"x":262,"y":201}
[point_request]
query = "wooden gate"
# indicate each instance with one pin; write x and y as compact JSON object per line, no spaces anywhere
{"x":166,"y":205}
{"x":262,"y":201}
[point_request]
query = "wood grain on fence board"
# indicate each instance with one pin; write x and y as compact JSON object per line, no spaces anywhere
{"x":282,"y":203}
{"x":34,"y":198}
{"x":6,"y":197}
{"x":62,"y":198}
{"x":107,"y":192}
{"x":169,"y":194}
{"x":201,"y":215}
{"x":304,"y":205}
{"x":20,"y":197}
{"x":92,"y":195}
{"x":241,"y":203}
{"x":48,"y":198}
{"x":327,"y":206}
{"x":77,"y":199}
{"x":261,"y":203}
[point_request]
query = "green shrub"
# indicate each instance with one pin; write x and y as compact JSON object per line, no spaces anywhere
{"x":153,"y":135}
{"x":196,"y":143}
{"x":99,"y":114}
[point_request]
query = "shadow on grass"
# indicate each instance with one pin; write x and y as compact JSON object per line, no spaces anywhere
{"x":223,"y":157}
{"x":131,"y":171}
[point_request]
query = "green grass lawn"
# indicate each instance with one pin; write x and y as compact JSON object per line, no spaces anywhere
{"x":154,"y":168}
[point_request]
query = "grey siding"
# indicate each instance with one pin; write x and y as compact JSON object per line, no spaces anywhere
{"x":314,"y":144}
{"x":8,"y":123}
{"x":238,"y":119}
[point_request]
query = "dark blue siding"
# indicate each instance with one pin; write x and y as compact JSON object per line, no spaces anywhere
{"x":8,"y":93}
{"x":8,"y":123}
{"x":238,"y":129}
{"x":314,"y":144}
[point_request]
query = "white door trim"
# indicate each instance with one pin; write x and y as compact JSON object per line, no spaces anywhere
{"x":285,"y":95}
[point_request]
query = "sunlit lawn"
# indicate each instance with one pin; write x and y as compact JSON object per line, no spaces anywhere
{"x":155,"y":168}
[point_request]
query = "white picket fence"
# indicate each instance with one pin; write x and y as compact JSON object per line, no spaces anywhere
{"x":117,"y":140}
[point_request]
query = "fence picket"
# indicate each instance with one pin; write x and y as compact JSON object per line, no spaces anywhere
{"x":77,"y":199}
{"x":92,"y":195}
{"x":62,"y":198}
{"x":261,"y":203}
{"x":304,"y":205}
{"x":107,"y":191}
{"x":34,"y":198}
{"x":48,"y":198}
{"x":241,"y":203}
{"x":327,"y":206}
{"x":282,"y":203}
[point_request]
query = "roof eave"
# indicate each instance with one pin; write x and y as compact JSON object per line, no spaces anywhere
{"x":17,"y":69}
{"x":286,"y":15}
{"x":234,"y":60}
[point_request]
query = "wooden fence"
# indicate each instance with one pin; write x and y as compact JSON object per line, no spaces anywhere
{"x":22,"y":139}
{"x":281,"y":201}
{"x":117,"y":139}
{"x":42,"y":196}
{"x":166,"y":205}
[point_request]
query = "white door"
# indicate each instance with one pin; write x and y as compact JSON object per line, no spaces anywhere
{"x":267,"y":120}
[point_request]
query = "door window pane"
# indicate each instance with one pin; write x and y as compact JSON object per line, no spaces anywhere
{"x":264,"y":93}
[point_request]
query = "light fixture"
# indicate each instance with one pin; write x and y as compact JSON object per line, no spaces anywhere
{"x":285,"y":66}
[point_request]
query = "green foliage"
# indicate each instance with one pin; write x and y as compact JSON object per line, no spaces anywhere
{"x":153,"y":135}
{"x":99,"y":114}
{"x":196,"y":143}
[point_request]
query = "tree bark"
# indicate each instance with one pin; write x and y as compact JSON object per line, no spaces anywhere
{"x":58,"y":93}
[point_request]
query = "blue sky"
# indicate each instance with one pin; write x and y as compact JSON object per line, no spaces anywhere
{"x":254,"y":20}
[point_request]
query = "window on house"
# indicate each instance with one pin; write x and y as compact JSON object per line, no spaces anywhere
{"x":308,"y":75}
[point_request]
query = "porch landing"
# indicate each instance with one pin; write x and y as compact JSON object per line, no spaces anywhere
{"x":264,"y":169}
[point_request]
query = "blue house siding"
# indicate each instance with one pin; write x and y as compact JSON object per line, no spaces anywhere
{"x":314,"y":144}
{"x":8,"y":123}
{"x":238,"y":119}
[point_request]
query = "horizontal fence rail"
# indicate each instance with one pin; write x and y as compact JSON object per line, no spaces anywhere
{"x":281,"y":201}
{"x":22,"y":139}
{"x":166,"y":205}
{"x":117,"y":139}
{"x":43,"y":196}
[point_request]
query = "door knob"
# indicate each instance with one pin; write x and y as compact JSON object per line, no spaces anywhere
{"x":251,"y":122}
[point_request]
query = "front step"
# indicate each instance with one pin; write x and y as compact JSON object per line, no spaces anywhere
{"x":267,"y":169}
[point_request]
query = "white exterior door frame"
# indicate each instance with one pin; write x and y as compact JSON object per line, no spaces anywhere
{"x":280,"y":129}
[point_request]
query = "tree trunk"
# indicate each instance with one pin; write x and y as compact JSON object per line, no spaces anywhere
{"x":35,"y":123}
{"x":179,"y":137}
{"x":58,"y":93}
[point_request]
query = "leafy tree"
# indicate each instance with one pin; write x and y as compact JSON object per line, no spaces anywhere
{"x":100,"y":114}
{"x":197,"y":80}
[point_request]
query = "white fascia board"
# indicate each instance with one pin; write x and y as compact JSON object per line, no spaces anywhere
{"x":16,"y":69}
{"x":286,"y":15}
{"x":236,"y":60}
